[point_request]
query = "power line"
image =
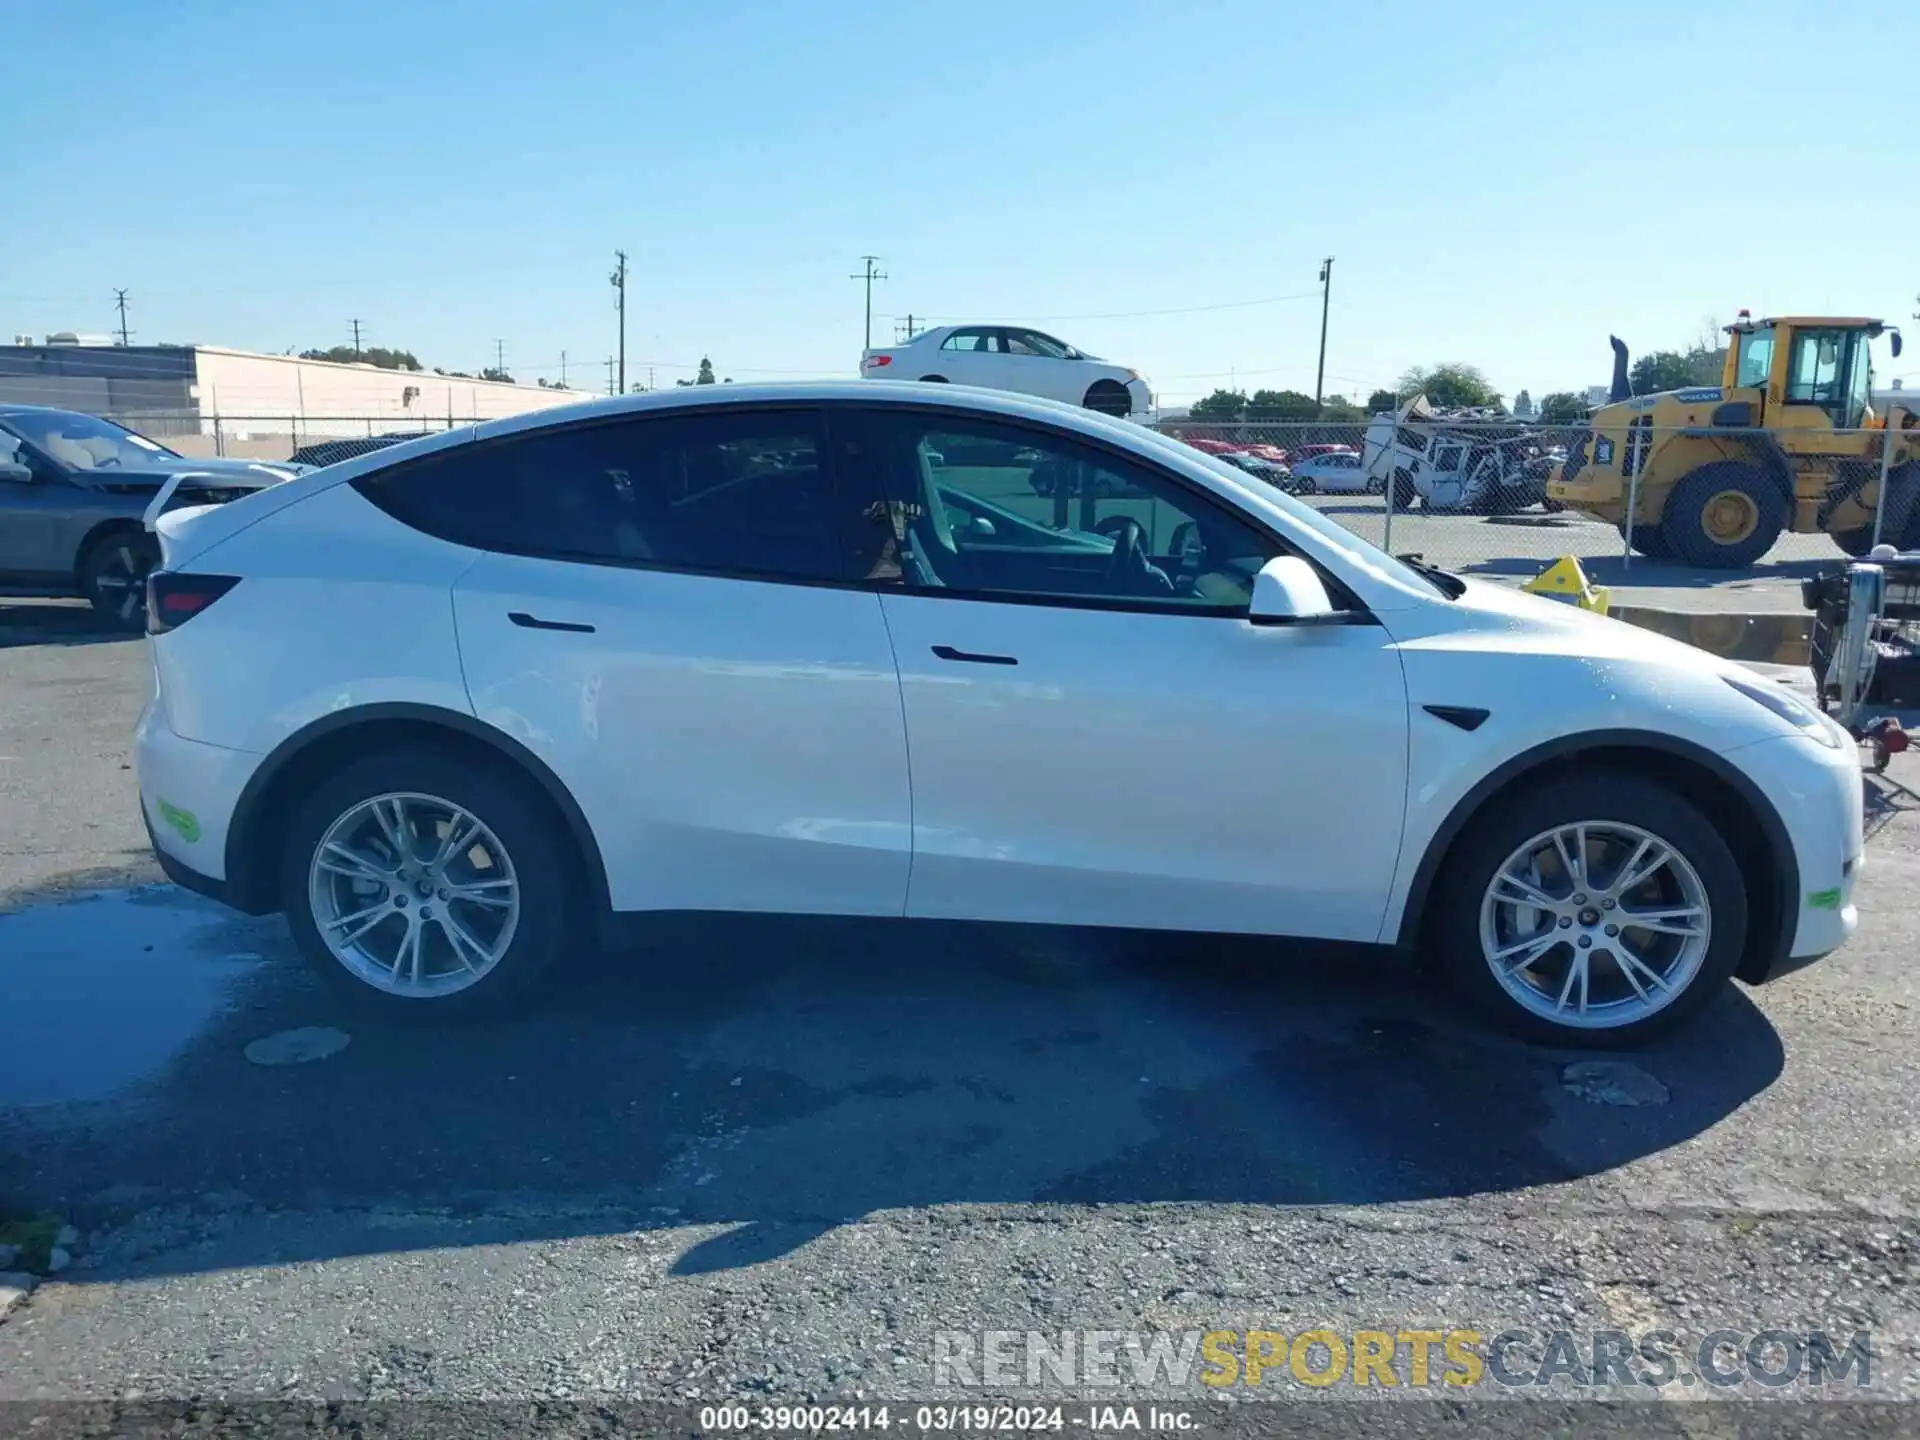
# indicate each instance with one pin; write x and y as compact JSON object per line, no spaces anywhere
{"x":1147,"y":314}
{"x":120,"y":299}
{"x":868,"y":274}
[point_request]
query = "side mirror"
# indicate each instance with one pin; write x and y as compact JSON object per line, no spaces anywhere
{"x":16,"y":473}
{"x":983,"y":527}
{"x":1287,"y":591}
{"x":1896,"y":344}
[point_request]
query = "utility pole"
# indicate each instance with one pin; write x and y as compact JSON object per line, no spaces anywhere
{"x":649,"y":377}
{"x":500,"y":357}
{"x":563,"y":369}
{"x":120,"y":299}
{"x":1326,"y":296}
{"x":619,"y":279}
{"x":609,"y":363}
{"x":910,"y":328}
{"x":869,"y":274}
{"x":356,"y":338}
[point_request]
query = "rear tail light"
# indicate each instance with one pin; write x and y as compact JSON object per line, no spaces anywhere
{"x":876,"y":361}
{"x":173,"y":599}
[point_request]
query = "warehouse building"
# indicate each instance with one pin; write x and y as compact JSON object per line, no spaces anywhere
{"x":209,"y":400}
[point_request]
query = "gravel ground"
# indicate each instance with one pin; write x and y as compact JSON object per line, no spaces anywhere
{"x":781,"y":1161}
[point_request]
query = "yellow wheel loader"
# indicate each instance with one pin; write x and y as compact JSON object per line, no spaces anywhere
{"x":1788,"y":441}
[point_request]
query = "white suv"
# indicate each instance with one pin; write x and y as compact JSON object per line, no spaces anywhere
{"x":460,"y":704}
{"x":1015,"y":358}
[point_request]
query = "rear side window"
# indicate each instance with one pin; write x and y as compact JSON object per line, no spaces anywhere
{"x":742,"y":493}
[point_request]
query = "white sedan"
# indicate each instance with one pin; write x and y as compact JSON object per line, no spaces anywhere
{"x":1016,"y":358}
{"x":1335,"y":474}
{"x":829,"y":648}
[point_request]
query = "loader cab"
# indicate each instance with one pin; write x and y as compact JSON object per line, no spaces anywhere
{"x":1816,"y":373}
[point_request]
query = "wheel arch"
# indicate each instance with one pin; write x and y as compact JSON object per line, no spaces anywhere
{"x":1763,"y":849}
{"x":257,"y":830}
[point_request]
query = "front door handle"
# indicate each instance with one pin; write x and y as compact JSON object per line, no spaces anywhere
{"x":534,"y":622}
{"x":947,"y":652}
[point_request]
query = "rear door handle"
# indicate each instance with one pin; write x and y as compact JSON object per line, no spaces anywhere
{"x":534,"y":622}
{"x":947,"y":652}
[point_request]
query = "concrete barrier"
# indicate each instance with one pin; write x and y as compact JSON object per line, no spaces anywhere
{"x":1775,"y":639}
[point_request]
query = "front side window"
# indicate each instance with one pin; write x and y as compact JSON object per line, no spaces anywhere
{"x":1756,"y":360}
{"x":979,"y":509}
{"x":742,"y":493}
{"x":1032,"y":342}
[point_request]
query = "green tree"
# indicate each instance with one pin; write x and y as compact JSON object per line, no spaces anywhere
{"x":1523,"y":406}
{"x":1340,"y":410}
{"x":1660,"y":370}
{"x":705,"y":377}
{"x":373,"y":355}
{"x":1563,"y":408}
{"x":1450,"y":385}
{"x":1380,"y":402}
{"x":494,"y":372}
{"x":1281,"y":405}
{"x":1220,"y":405}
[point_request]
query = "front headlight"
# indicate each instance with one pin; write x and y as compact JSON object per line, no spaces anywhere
{"x":1790,"y":708}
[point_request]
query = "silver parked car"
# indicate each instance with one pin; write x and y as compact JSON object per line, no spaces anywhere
{"x":73,"y":492}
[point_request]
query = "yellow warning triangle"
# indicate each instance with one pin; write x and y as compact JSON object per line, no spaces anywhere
{"x":1565,"y":580}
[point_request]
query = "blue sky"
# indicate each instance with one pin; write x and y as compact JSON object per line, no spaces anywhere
{"x":1504,"y":190}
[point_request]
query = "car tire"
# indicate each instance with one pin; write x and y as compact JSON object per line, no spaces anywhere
{"x":1109,"y":397}
{"x":933,"y":379}
{"x":1403,"y":491}
{"x":1723,"y":516}
{"x":113,"y":576}
{"x":1305,"y":485}
{"x":518,"y":855}
{"x":1482,"y":923}
{"x":1375,"y":486}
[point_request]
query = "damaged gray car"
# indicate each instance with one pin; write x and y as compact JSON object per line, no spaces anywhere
{"x":74,"y":495}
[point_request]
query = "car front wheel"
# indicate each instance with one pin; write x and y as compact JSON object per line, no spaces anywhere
{"x":1597,"y":910}
{"x":113,"y":576}
{"x":421,"y":882}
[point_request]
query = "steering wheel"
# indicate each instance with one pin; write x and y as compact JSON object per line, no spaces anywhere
{"x":1129,"y":571}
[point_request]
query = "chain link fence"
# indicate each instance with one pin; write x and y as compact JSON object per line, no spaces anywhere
{"x":1503,"y":498}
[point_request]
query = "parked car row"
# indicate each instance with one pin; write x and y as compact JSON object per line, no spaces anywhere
{"x":1305,"y":470}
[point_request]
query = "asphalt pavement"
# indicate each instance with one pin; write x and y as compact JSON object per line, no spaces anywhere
{"x":779,"y":1161}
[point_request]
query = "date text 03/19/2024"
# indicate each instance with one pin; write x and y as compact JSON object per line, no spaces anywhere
{"x":965,"y":1419}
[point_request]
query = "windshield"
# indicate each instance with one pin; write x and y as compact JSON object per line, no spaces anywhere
{"x":86,"y":442}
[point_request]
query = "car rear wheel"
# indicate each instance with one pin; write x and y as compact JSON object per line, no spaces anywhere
{"x":422,"y":883}
{"x":1376,"y":486}
{"x":113,"y":576}
{"x":933,"y":379}
{"x":1109,"y":398}
{"x":1598,"y":910}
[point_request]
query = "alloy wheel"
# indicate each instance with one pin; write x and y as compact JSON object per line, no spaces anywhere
{"x":120,"y":583}
{"x":1595,"y":925}
{"x":414,"y":895}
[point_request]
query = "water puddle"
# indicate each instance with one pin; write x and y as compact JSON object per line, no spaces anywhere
{"x":100,"y":992}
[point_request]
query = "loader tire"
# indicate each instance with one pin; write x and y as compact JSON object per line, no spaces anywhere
{"x":1854,"y":542}
{"x":1723,"y":516}
{"x":1648,"y":540}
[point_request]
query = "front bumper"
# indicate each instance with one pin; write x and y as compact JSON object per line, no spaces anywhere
{"x":1818,"y":795}
{"x":1142,"y":396}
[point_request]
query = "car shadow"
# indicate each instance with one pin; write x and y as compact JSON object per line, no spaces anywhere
{"x":783,"y":1076}
{"x":55,"y":622}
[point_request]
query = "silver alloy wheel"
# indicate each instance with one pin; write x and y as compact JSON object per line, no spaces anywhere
{"x":121,"y":583}
{"x":413,"y":895}
{"x":1595,"y":925}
